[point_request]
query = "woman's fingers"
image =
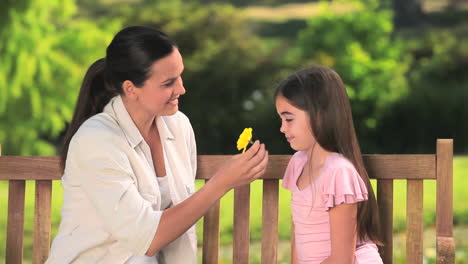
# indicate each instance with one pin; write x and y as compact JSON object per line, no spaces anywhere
{"x":252,"y":150}
{"x":257,"y":175}
{"x":257,"y":158}
{"x":260,"y":168}
{"x":244,"y":168}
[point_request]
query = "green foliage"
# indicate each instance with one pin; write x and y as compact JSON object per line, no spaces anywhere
{"x":45,"y":51}
{"x":436,"y":104}
{"x":256,"y":2}
{"x":359,"y":46}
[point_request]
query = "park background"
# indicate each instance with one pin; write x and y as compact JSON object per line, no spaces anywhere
{"x":404,"y":62}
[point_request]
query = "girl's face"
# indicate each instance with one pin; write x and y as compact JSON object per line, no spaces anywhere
{"x":295,"y":125}
{"x":159,"y":94}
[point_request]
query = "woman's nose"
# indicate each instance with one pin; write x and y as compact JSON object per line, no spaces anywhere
{"x":181,"y":88}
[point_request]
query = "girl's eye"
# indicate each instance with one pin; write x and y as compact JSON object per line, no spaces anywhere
{"x":288,"y":119}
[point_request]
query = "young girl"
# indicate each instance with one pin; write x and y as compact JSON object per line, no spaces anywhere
{"x":334,"y":210}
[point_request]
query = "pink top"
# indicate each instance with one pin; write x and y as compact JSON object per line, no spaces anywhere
{"x":338,"y":182}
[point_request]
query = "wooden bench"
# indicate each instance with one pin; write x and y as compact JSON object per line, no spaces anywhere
{"x":385,"y":168}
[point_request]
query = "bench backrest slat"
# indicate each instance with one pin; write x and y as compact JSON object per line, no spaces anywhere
{"x":378,"y":166}
{"x":270,"y":221}
{"x":42,"y":224}
{"x":445,"y":243}
{"x":241,"y":228}
{"x":444,"y":186}
{"x":15,"y":222}
{"x":394,"y":167}
{"x":30,"y":168}
{"x":211,"y":235}
{"x":385,"y":202}
{"x":414,"y":222}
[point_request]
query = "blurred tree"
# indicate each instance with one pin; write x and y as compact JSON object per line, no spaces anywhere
{"x":359,"y":46}
{"x":454,"y":4}
{"x":407,"y":13}
{"x":436,"y":105}
{"x":45,"y":50}
{"x":7,"y":5}
{"x":224,"y":66}
{"x":244,"y":3}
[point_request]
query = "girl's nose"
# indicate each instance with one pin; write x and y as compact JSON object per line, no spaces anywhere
{"x":282,"y":128}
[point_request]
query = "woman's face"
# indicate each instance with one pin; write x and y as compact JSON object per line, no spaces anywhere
{"x":295,"y":125}
{"x":159,"y":95}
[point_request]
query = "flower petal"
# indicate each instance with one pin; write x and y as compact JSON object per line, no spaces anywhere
{"x":244,"y":139}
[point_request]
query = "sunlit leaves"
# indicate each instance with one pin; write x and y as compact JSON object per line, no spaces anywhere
{"x":45,"y":49}
{"x":359,"y":45}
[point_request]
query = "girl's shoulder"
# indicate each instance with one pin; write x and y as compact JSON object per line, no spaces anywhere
{"x":336,"y":161}
{"x":341,"y":182}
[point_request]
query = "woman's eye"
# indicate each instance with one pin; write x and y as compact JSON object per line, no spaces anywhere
{"x":288,"y":120}
{"x":169,"y":84}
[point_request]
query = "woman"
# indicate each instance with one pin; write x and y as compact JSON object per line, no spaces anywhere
{"x":129,"y":161}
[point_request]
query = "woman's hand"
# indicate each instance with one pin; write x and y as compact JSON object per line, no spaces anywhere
{"x":242,"y":168}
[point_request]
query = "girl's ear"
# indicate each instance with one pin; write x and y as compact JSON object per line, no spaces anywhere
{"x":129,"y":89}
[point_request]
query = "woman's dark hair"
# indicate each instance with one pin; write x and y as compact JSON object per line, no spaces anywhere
{"x":129,"y":56}
{"x":321,"y":93}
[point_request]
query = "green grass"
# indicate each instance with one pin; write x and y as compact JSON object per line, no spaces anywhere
{"x":256,"y":194}
{"x":28,"y":217}
{"x":460,"y":215}
{"x":286,"y":12}
{"x":460,"y":196}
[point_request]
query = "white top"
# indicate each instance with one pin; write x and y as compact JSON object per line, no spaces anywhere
{"x":166,"y":200}
{"x":111,"y":198}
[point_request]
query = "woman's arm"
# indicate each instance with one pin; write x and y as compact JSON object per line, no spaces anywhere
{"x":343,"y":234}
{"x":239,"y":170}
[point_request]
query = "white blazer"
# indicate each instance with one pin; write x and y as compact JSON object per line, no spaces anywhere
{"x":111,"y":206}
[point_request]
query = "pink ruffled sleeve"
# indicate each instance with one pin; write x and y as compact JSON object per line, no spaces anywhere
{"x":343,"y":185}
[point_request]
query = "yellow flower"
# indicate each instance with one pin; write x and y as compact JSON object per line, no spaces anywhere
{"x":244,"y":139}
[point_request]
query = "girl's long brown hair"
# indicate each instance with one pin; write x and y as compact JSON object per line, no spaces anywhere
{"x":321,"y":93}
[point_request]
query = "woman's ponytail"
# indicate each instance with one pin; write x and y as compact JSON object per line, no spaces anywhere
{"x":95,"y":93}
